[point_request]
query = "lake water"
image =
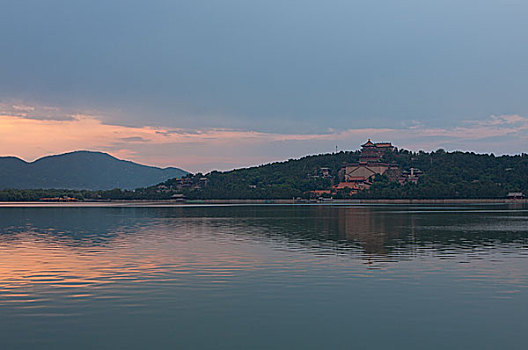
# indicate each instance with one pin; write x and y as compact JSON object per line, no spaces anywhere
{"x":264,"y":277}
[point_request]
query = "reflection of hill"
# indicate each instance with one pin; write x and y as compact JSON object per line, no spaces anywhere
{"x":392,"y":231}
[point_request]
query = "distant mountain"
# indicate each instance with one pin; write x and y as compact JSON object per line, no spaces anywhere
{"x":81,"y":170}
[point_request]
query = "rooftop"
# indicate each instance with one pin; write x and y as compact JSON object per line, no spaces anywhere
{"x":367,"y":144}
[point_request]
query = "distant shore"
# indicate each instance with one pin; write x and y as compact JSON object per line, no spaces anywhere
{"x":154,"y":203}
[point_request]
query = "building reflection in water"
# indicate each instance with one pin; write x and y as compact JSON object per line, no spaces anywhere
{"x":364,"y":232}
{"x":372,"y":229}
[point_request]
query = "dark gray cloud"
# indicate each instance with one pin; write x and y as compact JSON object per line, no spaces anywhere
{"x":274,"y":65}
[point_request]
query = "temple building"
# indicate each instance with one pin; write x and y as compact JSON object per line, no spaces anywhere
{"x":359,"y":176}
{"x":410,"y":175}
{"x":373,"y":152}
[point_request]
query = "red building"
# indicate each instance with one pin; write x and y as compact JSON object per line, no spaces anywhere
{"x":372,"y":152}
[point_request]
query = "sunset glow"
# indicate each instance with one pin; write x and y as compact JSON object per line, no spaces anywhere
{"x":208,"y":149}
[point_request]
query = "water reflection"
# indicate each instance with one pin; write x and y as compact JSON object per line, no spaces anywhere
{"x":170,"y":272}
{"x":378,"y":231}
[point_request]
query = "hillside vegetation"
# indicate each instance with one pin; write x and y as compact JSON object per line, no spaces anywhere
{"x":287,"y":179}
{"x":455,"y":175}
{"x":445,"y":175}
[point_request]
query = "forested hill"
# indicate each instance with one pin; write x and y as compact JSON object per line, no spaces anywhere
{"x":455,"y":175}
{"x":287,"y":179}
{"x":446,"y":175}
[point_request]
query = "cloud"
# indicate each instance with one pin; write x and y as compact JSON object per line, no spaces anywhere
{"x":23,"y":108}
{"x":505,"y":120}
{"x":34,"y":112}
{"x":494,"y":126}
{"x":208,"y":149}
{"x":134,"y":139}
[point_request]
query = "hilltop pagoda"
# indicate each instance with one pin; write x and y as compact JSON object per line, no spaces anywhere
{"x":360,"y":175}
{"x":373,"y":152}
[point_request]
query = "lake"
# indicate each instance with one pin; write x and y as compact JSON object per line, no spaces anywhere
{"x":264,"y":277}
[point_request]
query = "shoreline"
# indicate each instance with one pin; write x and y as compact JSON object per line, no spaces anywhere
{"x":179,"y":203}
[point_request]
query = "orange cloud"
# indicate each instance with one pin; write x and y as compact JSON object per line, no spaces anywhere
{"x":32,"y":136}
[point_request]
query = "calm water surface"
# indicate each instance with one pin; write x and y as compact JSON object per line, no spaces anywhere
{"x":262,"y":277}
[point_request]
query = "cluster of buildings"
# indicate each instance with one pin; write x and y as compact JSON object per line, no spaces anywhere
{"x":59,"y":199}
{"x":183,"y":183}
{"x":360,"y":176}
{"x":178,"y":185}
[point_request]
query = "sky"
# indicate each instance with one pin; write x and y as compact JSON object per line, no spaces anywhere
{"x":206,"y":85}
